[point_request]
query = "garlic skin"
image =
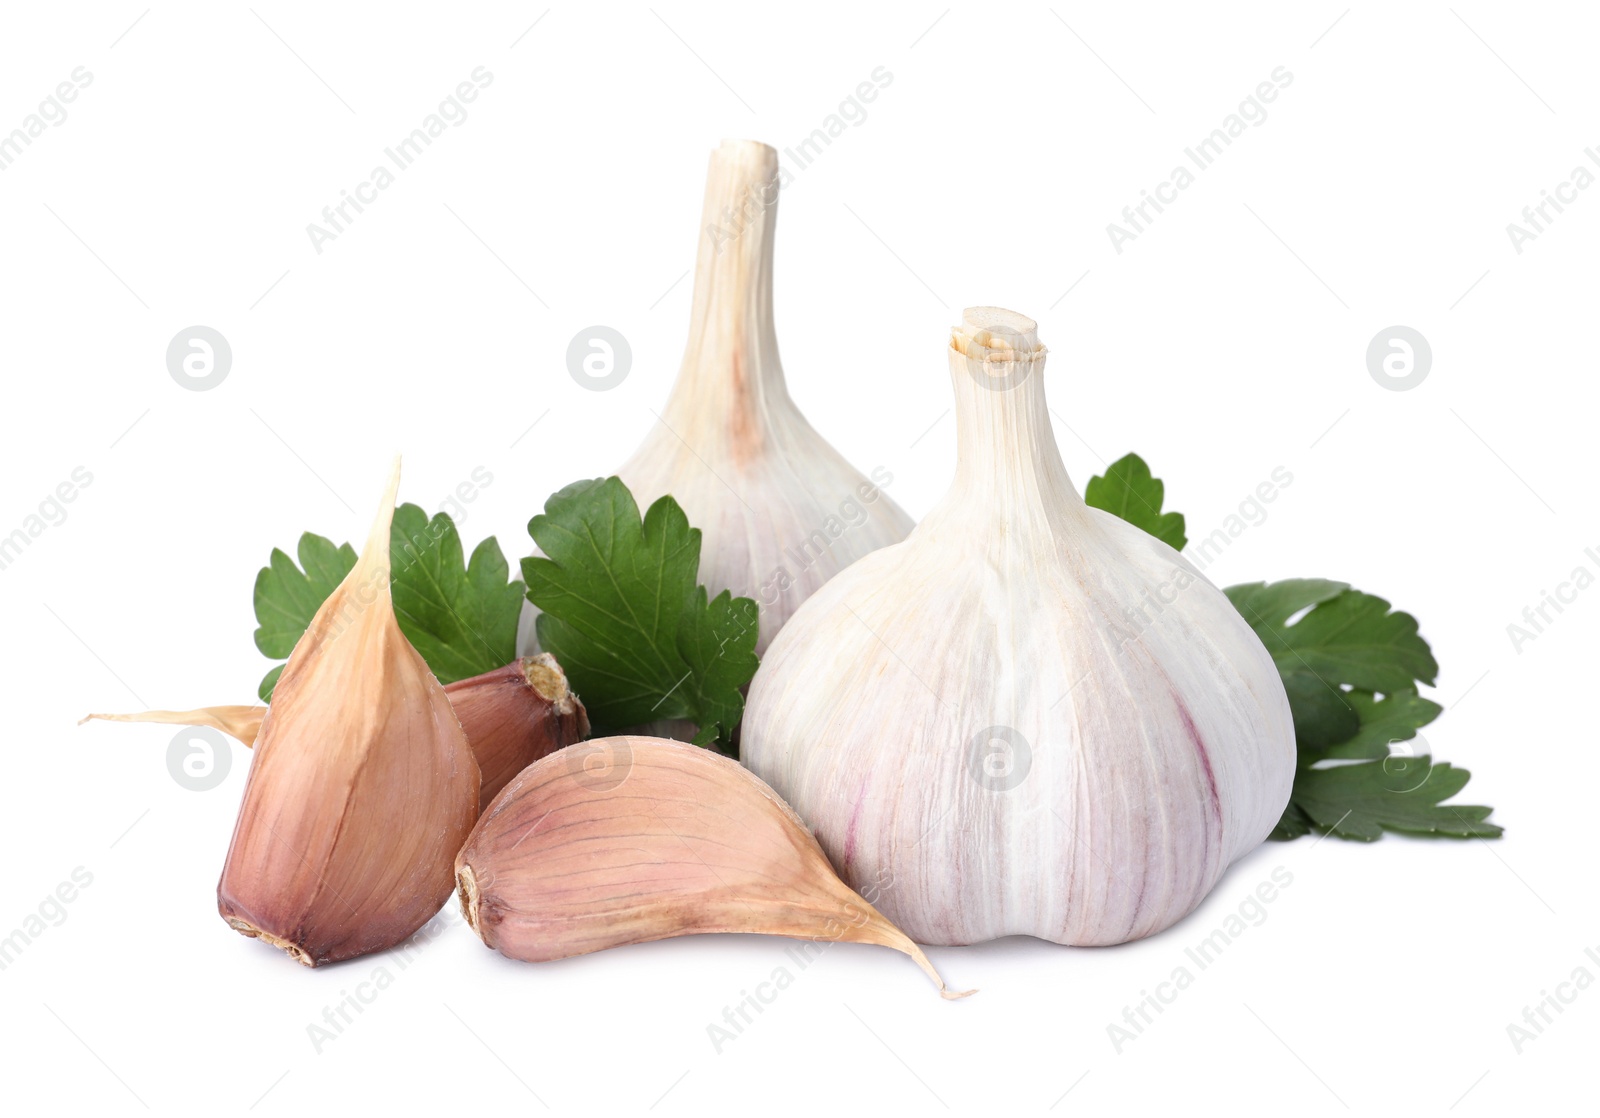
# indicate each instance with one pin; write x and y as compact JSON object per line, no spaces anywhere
{"x":362,"y":787}
{"x":242,"y":723}
{"x":780,"y":511}
{"x":1031,"y":715}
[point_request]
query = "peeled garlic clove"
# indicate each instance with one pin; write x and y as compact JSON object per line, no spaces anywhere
{"x":1031,"y":716}
{"x":240,"y":722}
{"x":630,"y":839}
{"x":362,"y":788}
{"x":515,"y":715}
{"x":780,"y":511}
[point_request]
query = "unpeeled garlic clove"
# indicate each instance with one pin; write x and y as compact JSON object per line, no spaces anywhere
{"x":363,"y":786}
{"x":629,"y":839}
{"x":515,"y":715}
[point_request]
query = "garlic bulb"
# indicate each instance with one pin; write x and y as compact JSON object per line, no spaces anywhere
{"x":779,"y":510}
{"x":1031,"y":716}
{"x":362,"y":787}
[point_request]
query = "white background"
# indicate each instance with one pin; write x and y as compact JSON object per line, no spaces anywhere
{"x":1227,"y":340}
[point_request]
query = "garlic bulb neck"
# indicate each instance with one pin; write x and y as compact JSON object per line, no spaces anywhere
{"x":1008,"y":465}
{"x":731,"y":381}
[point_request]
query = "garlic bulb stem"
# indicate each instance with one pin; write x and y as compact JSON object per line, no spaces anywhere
{"x":730,"y":386}
{"x":1008,"y":459}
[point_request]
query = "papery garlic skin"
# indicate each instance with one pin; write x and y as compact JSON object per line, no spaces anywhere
{"x":1031,"y":716}
{"x":362,"y":787}
{"x":780,"y":511}
{"x":242,"y":723}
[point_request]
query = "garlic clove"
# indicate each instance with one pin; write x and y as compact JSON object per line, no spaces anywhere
{"x":362,"y":788}
{"x":780,"y":511}
{"x":515,"y":715}
{"x":630,"y":839}
{"x":1085,"y":733}
{"x":240,"y":722}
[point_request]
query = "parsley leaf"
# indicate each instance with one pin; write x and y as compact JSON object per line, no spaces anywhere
{"x":622,"y":609}
{"x":1294,"y":824}
{"x":1346,"y":636}
{"x":286,"y":598}
{"x":461,"y":618}
{"x":1398,"y":793}
{"x":1394,"y":717}
{"x":1342,"y":650}
{"x":1351,"y":667}
{"x":1129,"y":491}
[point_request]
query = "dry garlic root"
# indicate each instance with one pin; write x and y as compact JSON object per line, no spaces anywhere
{"x":629,"y":839}
{"x":1031,"y":716}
